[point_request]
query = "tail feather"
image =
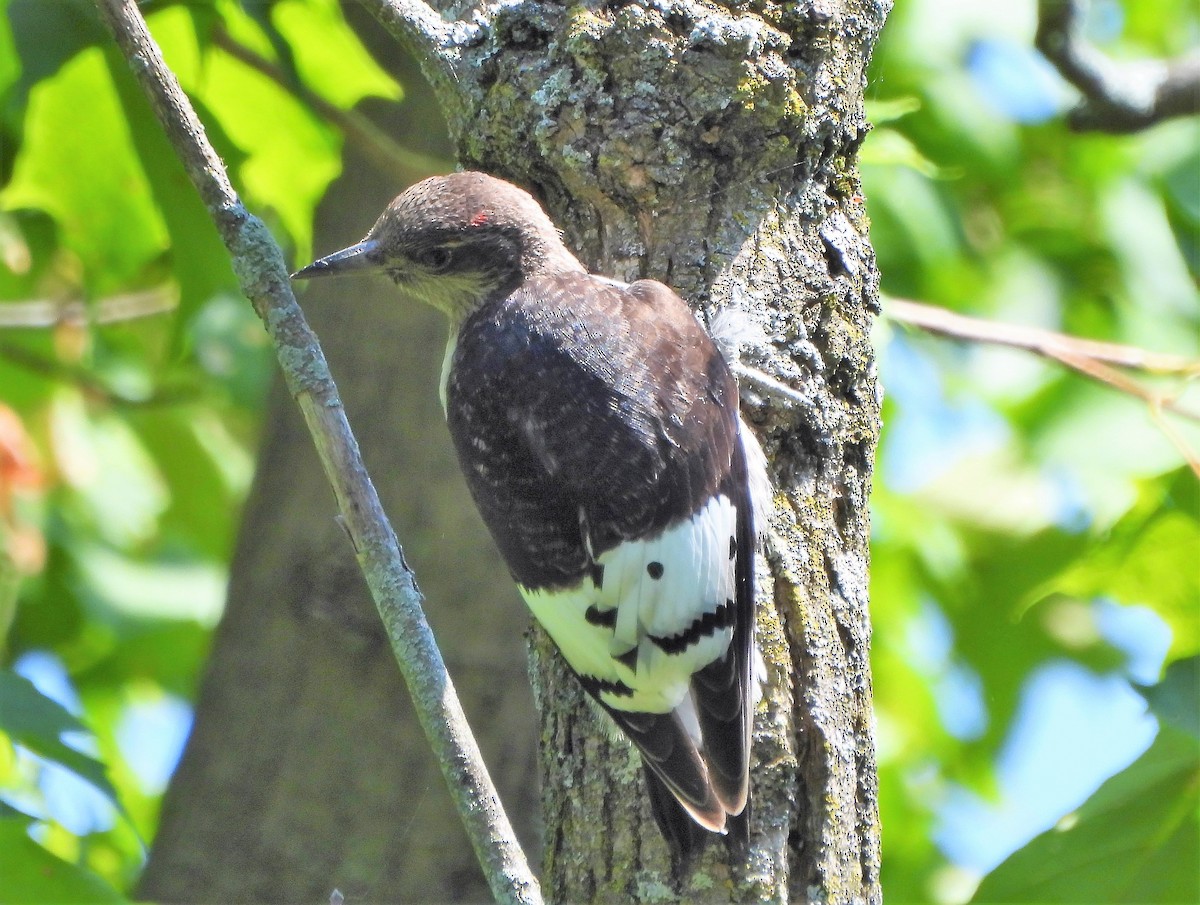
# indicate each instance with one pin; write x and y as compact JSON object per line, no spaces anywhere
{"x":737,"y":837}
{"x":723,"y":690}
{"x":721,"y":712}
{"x":685,"y":838}
{"x":697,"y":790}
{"x":669,"y":752}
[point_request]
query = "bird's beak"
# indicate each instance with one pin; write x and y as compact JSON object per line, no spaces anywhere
{"x":357,"y":257}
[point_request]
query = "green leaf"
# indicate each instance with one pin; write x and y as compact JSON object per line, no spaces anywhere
{"x":1176,"y":699}
{"x":891,"y":109}
{"x":10,"y":72}
{"x":291,"y":156}
{"x":328,"y":54}
{"x":35,"y":721}
{"x":153,"y":590}
{"x":77,"y":163}
{"x":48,"y":35}
{"x":1135,"y":840}
{"x":199,"y":260}
{"x":119,"y":484}
{"x":32,"y":874}
{"x":887,"y":147}
{"x":197,"y":470}
{"x":1149,"y":558}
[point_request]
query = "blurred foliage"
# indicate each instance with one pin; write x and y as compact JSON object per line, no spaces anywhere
{"x":1154,"y":807}
{"x":132,"y":377}
{"x":1016,"y":503}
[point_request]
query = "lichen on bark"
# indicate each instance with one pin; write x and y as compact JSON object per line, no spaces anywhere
{"x":713,"y":147}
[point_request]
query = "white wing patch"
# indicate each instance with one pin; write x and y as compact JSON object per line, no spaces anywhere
{"x":653,"y":612}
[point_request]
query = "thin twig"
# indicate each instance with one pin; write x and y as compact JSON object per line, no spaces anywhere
{"x":375,"y":144}
{"x":1088,"y":357}
{"x":1156,"y":403}
{"x":768,"y":385}
{"x":259,"y":265}
{"x":1169,"y":431}
{"x":41,"y":313}
{"x":1116,"y":97}
{"x":1035,"y":339}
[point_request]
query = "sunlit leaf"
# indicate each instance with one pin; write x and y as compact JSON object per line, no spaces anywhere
{"x":121,"y":492}
{"x":198,"y":470}
{"x":291,"y":156}
{"x":329,"y":57}
{"x":77,"y":164}
{"x":32,"y":719}
{"x":32,"y":874}
{"x":165,"y":590}
{"x":1134,"y":841}
{"x":10,"y":68}
{"x":1149,"y":558}
{"x":200,"y":263}
{"x":885,"y":111}
{"x":887,"y":147}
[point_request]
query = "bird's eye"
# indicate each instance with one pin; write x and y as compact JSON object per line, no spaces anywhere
{"x":437,"y":258}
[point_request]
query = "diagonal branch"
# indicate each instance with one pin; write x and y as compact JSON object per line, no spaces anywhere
{"x":1097,"y":360}
{"x":1116,"y":97}
{"x":1035,"y":339}
{"x":1156,"y":403}
{"x":259,"y":265}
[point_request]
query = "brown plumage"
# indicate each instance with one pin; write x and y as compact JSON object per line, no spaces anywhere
{"x":597,"y":427}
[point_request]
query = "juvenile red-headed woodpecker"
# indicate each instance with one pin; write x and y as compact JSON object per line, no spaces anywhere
{"x":597,"y":426}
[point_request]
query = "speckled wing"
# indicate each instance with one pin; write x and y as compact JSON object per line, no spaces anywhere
{"x":597,"y":426}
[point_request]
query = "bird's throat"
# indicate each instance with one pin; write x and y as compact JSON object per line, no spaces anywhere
{"x":447,"y":363}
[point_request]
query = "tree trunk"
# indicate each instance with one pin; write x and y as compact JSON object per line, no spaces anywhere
{"x":715,"y":151}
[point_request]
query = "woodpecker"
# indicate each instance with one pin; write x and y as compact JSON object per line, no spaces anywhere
{"x":596,"y":424}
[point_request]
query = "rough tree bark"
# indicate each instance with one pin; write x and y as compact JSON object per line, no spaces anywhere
{"x":709,"y":147}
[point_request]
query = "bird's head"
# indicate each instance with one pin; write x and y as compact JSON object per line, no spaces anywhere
{"x":454,"y":242}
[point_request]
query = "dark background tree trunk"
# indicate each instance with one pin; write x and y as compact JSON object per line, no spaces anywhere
{"x":306,"y":770}
{"x":711,"y":150}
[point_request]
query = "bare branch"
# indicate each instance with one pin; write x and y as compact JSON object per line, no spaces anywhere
{"x":259,"y":265}
{"x":1034,"y":339}
{"x":377,"y":146}
{"x":1088,"y":357}
{"x":1116,"y":97}
{"x":42,"y":313}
